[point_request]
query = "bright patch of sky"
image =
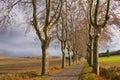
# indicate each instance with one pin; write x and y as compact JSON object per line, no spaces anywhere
{"x":115,"y":44}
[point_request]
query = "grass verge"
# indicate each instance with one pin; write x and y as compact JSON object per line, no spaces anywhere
{"x":88,"y":75}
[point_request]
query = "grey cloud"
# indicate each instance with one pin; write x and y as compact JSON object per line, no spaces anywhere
{"x":18,"y":44}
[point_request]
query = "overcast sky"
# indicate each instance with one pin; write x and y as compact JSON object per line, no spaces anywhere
{"x":17,"y":43}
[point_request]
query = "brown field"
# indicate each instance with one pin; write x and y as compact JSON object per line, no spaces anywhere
{"x":27,"y":68}
{"x":16,"y":65}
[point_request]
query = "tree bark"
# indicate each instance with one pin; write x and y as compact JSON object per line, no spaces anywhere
{"x":90,"y":47}
{"x":88,"y":54}
{"x":69,"y":57}
{"x":73,"y":57}
{"x":45,"y":62}
{"x":91,"y":51}
{"x":95,"y":54}
{"x":63,"y":48}
{"x":76,"y":57}
{"x":63,"y":58}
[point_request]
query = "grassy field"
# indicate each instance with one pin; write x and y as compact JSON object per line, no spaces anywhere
{"x":110,"y":61}
{"x":30,"y":68}
{"x":110,"y":67}
{"x":25,"y":68}
{"x":13,"y":65}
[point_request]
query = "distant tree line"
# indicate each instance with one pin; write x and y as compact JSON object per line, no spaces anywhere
{"x":112,"y":53}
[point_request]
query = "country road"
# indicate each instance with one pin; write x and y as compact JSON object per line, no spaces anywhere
{"x":72,"y":73}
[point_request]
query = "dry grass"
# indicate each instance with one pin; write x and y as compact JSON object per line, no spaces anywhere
{"x":25,"y":68}
{"x":110,"y":67}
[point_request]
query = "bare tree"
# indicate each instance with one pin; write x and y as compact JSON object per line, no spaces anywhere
{"x":98,"y":26}
{"x":61,"y":35}
{"x":44,"y":33}
{"x":7,"y":12}
{"x":43,"y":19}
{"x":90,"y":46}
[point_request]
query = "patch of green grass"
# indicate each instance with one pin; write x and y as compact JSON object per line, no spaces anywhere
{"x":111,"y":59}
{"x":87,"y":73}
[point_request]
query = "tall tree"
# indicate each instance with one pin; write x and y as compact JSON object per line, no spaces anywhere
{"x":90,"y":46}
{"x":44,"y":33}
{"x":61,"y":35}
{"x":98,"y":26}
{"x":43,"y":18}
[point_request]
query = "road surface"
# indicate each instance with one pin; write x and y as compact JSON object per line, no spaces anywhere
{"x":72,"y":73}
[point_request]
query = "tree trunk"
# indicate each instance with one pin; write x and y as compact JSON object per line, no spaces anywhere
{"x":63,"y":58}
{"x":76,"y":58}
{"x":88,"y":56}
{"x":96,"y":55}
{"x":69,"y":57}
{"x":91,"y":52}
{"x":63,"y":48}
{"x":45,"y":63}
{"x":73,"y":57}
{"x":90,"y":46}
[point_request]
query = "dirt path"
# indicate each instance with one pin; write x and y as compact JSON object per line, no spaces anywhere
{"x":72,"y":73}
